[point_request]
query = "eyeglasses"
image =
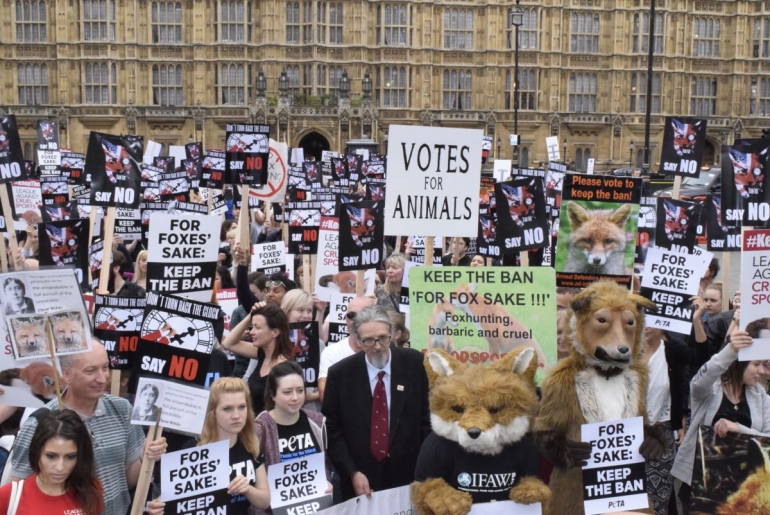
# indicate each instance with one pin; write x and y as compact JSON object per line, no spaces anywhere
{"x":382,"y":340}
{"x":351,"y":315}
{"x":274,"y":284}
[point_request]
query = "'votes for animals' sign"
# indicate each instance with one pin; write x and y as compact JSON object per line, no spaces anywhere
{"x":615,"y":477}
{"x":433,"y":177}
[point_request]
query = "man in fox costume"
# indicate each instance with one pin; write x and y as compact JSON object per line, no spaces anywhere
{"x":602,"y":379}
{"x":479,"y":450}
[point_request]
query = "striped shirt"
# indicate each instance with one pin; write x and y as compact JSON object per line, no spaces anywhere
{"x":116,"y":443}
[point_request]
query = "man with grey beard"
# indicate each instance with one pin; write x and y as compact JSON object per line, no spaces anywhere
{"x":376,"y":404}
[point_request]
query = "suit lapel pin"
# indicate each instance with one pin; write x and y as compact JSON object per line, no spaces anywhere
{"x":400,"y":388}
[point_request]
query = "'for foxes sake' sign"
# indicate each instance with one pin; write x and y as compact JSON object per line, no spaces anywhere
{"x":433,"y":179}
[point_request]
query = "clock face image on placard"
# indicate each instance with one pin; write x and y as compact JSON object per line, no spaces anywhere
{"x":248,"y":143}
{"x":118,"y":319}
{"x":178,"y":331}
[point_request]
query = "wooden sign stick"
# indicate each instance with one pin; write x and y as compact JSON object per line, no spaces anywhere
{"x":726,"y":281}
{"x":51,"y":349}
{"x":360,"y":285}
{"x":3,"y":256}
{"x":306,"y":273}
{"x":313,"y":264}
{"x":244,"y":229}
{"x":429,"y":243}
{"x":104,"y":276}
{"x":5,"y":201}
{"x":677,"y":186}
{"x":143,"y":483}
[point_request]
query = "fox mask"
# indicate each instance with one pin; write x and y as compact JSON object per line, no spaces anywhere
{"x":482,"y":408}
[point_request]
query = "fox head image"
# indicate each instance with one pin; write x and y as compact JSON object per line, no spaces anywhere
{"x":361,"y":223}
{"x":4,"y":140}
{"x":482,"y":407}
{"x":598,"y":233}
{"x":748,"y":171}
{"x":607,"y":324}
{"x":685,"y":136}
{"x":29,"y":334}
{"x":68,"y":329}
{"x":753,"y":497}
{"x":46,"y":130}
{"x":677,"y":218}
{"x":521,"y":202}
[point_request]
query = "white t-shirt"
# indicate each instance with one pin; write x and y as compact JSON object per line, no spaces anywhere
{"x":659,"y":390}
{"x":332,"y":354}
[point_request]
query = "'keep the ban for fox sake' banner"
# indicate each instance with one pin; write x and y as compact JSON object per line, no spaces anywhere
{"x":597,"y":230}
{"x":433,"y":179}
{"x":479,"y":314}
{"x":182,"y":255}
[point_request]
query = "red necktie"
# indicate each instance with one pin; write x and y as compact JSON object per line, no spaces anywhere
{"x":379,"y":442}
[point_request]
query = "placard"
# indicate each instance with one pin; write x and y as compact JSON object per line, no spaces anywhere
{"x":552,"y":146}
{"x":677,"y":223}
{"x":26,"y":202}
{"x":755,"y":297}
{"x":746,"y":183}
{"x":247,"y":152}
{"x":117,"y":324}
{"x":11,"y":157}
{"x":361,"y":235}
{"x":298,"y":486}
{"x":338,"y":308}
{"x":113,"y":163}
{"x":199,"y":470}
{"x":597,"y":230}
{"x":433,"y":176}
{"x":614,"y":478}
{"x":521,"y":209}
{"x":719,"y":237}
{"x":481,"y":313}
{"x":502,"y":169}
{"x":65,"y":244}
{"x":277,"y":168}
{"x":682,"y":147}
{"x":178,"y":407}
{"x":306,"y":349}
{"x":268,"y":258}
{"x":328,"y":259}
{"x":182,"y":254}
{"x":417,"y":244}
{"x":26,"y":383}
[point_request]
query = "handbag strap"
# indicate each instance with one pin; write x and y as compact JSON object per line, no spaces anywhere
{"x":16,"y":489}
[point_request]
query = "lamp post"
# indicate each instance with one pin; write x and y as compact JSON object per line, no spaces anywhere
{"x":631,"y":154}
{"x":517,"y":17}
{"x":344,"y":84}
{"x":366,"y":88}
{"x":498,"y":148}
{"x":648,"y":104}
{"x":261,"y":84}
{"x":565,"y":150}
{"x":283,"y":83}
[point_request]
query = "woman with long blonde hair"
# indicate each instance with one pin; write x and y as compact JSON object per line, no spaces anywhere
{"x":230,"y":417}
{"x":389,"y":294}
{"x":140,"y":269}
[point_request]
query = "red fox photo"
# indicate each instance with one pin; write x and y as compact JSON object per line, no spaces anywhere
{"x":597,"y":240}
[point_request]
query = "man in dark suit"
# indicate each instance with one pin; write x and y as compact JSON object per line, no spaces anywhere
{"x":376,"y":404}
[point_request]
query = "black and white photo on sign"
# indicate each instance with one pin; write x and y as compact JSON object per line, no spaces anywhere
{"x":683,"y":142}
{"x":114,"y":165}
{"x":432,"y":181}
{"x":15,"y":299}
{"x":746,"y":183}
{"x":177,"y":406}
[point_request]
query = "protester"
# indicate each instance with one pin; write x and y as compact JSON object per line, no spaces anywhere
{"x":725,"y":394}
{"x":269,"y":345}
{"x":287,"y":430}
{"x":117,"y":444}
{"x":457,"y":253}
{"x":389,"y":294}
{"x":478,"y":260}
{"x":119,"y":286}
{"x":223,"y":279}
{"x":140,"y":270}
{"x":373,"y":456}
{"x":707,"y":306}
{"x":31,"y":248}
{"x":229,"y":417}
{"x":401,"y":335}
{"x":277,"y":285}
{"x":62,"y":460}
{"x":298,"y":306}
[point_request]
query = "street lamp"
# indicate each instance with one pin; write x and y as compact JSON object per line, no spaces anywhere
{"x":366,"y":85}
{"x":283,"y":83}
{"x":498,"y":148}
{"x":344,"y":84}
{"x":517,"y":18}
{"x":565,"y":150}
{"x":261,"y":84}
{"x":631,"y":154}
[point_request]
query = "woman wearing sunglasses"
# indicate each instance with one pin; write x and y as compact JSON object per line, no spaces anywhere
{"x":269,"y":345}
{"x":276,"y":285}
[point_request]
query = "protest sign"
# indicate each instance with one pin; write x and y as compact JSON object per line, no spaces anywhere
{"x":338,"y":308}
{"x":719,"y":237}
{"x":277,"y":168}
{"x":268,"y":258}
{"x":48,"y":151}
{"x":213,"y":170}
{"x":676,"y":223}
{"x":746,"y":183}
{"x":128,"y":224}
{"x":30,"y":300}
{"x":416,"y":249}
{"x":645,"y":233}
{"x":72,"y":164}
{"x":552,"y":147}
{"x":117,"y":323}
{"x":597,"y":229}
{"x":328,"y":258}
{"x":304,"y":225}
{"x":227,"y":299}
{"x":174,"y":186}
{"x":433,"y":176}
{"x":65,"y":243}
{"x":682,"y":148}
{"x":113,"y":163}
{"x":178,"y":407}
{"x":182,"y":254}
{"x":246,"y":154}
{"x":671,"y":277}
{"x":730,"y":473}
{"x":361,"y":235}
{"x":199,"y":470}
{"x":26,"y":383}
{"x":11,"y":157}
{"x":479,"y":314}
{"x":502,"y":169}
{"x":614,"y":478}
{"x":306,"y":349}
{"x":177,"y":338}
{"x":521,"y":209}
{"x":26,"y":201}
{"x":298,"y":486}
{"x":755,"y":298}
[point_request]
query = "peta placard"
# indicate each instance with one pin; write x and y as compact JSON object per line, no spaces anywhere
{"x":195,"y":471}
{"x":615,"y":478}
{"x":182,"y":255}
{"x":298,"y":486}
{"x":755,"y":298}
{"x":268,"y":258}
{"x":433,"y":177}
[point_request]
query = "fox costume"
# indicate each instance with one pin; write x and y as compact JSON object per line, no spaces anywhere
{"x":601,"y":380}
{"x":479,"y":450}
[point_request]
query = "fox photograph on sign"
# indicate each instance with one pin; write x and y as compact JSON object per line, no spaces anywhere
{"x":683,"y":142}
{"x":433,"y":180}
{"x":113,"y":163}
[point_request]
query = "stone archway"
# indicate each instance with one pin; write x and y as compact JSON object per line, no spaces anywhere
{"x":314,"y":144}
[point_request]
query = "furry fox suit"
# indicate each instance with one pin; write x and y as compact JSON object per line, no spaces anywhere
{"x":480,"y":449}
{"x":602,"y":379}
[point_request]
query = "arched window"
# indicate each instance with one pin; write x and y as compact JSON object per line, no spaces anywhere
{"x":233,"y":84}
{"x":706,"y":35}
{"x":703,"y":96}
{"x":582,"y":92}
{"x":584,"y":34}
{"x":457,"y":89}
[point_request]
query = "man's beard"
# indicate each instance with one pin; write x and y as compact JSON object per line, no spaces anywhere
{"x":379,"y":360}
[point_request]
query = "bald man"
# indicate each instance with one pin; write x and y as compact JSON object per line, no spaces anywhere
{"x":117,"y":444}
